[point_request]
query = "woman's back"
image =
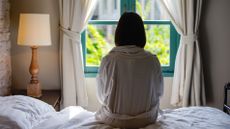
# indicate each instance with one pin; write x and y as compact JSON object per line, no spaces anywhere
{"x":129,"y":86}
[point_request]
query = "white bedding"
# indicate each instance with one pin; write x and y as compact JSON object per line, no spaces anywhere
{"x":182,"y":118}
{"x":21,"y":112}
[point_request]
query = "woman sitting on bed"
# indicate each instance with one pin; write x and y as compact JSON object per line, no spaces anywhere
{"x":129,"y":78}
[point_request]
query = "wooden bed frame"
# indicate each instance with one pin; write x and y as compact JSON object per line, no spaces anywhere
{"x":226,"y":107}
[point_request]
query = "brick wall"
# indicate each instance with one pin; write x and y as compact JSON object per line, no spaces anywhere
{"x":5,"y":59}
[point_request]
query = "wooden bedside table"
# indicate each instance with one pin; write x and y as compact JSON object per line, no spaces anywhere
{"x":52,"y":97}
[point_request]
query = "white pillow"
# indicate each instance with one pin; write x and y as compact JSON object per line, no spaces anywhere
{"x":23,"y":110}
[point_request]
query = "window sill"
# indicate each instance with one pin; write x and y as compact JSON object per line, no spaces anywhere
{"x":93,"y":75}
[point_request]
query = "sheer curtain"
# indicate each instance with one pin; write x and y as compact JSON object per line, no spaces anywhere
{"x":74,"y":16}
{"x":188,"y":82}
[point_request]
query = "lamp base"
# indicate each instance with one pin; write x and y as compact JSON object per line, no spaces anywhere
{"x":34,"y":90}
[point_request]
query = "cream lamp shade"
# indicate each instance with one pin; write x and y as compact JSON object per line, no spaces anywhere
{"x":34,"y":30}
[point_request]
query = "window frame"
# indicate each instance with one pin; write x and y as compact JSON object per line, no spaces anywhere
{"x":129,"y":5}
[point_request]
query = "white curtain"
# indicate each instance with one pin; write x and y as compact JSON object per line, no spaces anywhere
{"x":188,"y":82}
{"x":74,"y":16}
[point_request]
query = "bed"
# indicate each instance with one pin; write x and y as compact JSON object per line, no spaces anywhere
{"x":21,"y":112}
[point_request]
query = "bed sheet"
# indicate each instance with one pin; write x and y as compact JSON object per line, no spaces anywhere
{"x":182,"y":118}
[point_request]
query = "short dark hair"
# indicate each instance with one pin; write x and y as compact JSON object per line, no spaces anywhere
{"x":130,"y":30}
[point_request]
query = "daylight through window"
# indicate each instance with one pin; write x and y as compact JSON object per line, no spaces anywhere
{"x":98,"y":39}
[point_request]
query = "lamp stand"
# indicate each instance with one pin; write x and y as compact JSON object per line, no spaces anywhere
{"x":34,"y":88}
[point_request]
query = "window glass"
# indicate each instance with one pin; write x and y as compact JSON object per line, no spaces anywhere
{"x":107,"y":10}
{"x":158,"y":42}
{"x":99,"y":41}
{"x":150,"y":10}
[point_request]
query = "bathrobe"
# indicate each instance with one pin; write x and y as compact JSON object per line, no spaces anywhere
{"x":129,"y":84}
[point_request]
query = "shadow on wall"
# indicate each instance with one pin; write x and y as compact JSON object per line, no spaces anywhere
{"x":205,"y":52}
{"x":214,"y":43}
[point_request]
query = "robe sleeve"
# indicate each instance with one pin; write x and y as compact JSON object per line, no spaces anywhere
{"x":104,"y":77}
{"x":160,"y":81}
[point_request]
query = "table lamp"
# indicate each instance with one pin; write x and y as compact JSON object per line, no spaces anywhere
{"x":34,"y":31}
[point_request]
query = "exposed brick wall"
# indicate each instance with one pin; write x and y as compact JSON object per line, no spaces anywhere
{"x":5,"y":59}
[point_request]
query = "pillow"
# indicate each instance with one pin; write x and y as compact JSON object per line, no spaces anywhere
{"x":23,"y":110}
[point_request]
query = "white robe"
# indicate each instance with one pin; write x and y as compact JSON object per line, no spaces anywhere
{"x":130,"y":83}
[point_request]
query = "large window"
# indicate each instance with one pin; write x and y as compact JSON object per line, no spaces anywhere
{"x":98,"y":38}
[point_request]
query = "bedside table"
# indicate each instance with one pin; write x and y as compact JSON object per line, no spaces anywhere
{"x":52,"y":97}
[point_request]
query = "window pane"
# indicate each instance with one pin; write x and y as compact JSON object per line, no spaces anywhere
{"x":99,"y":41}
{"x":158,"y":42}
{"x":150,"y":10}
{"x":107,"y":10}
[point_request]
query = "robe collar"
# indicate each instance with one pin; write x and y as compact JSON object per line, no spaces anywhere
{"x":127,"y":49}
{"x":130,"y":50}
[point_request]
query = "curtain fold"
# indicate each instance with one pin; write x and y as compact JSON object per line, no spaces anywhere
{"x":188,"y":83}
{"x":74,"y":16}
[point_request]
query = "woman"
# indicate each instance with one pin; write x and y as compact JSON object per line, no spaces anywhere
{"x":129,"y":78}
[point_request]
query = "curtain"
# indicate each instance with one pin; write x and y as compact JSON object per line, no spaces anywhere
{"x":74,"y":16}
{"x":188,"y":82}
{"x":5,"y":58}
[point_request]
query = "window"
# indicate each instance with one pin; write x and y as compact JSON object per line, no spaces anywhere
{"x":98,"y":39}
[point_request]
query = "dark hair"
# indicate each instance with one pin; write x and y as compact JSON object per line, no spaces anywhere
{"x":130,"y":30}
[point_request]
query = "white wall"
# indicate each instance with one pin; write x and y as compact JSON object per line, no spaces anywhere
{"x":94,"y":104}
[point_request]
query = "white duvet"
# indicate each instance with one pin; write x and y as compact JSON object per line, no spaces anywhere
{"x":20,"y":112}
{"x":182,"y":118}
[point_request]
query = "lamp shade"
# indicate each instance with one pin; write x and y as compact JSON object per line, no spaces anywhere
{"x":34,"y":30}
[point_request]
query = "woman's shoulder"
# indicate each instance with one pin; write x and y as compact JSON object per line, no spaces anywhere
{"x":154,"y":59}
{"x":151,"y":55}
{"x":109,"y":58}
{"x":111,"y":55}
{"x":114,"y":55}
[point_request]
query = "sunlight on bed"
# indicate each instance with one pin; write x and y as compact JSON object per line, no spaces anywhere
{"x":74,"y":111}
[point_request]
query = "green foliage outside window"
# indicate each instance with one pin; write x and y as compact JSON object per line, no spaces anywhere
{"x":158,"y":42}
{"x":97,"y":46}
{"x":158,"y":38}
